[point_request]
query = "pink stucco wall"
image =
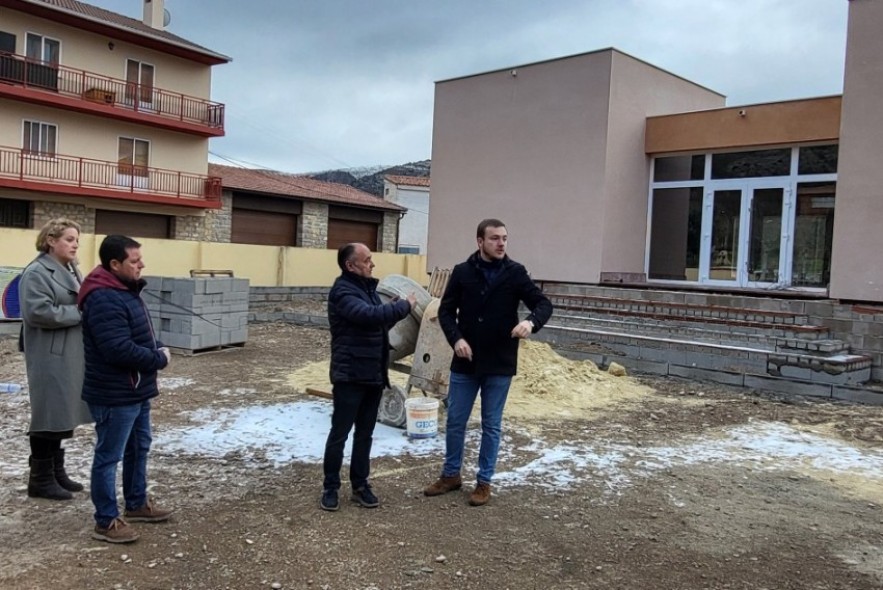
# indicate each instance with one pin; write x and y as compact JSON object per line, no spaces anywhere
{"x":856,"y":270}
{"x":556,"y":150}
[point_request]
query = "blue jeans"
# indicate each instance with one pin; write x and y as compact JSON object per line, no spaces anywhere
{"x":123,"y":433}
{"x":462,"y":392}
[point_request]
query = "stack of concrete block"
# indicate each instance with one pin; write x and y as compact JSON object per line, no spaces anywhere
{"x":198,"y":313}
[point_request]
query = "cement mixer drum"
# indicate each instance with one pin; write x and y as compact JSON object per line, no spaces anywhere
{"x":403,"y":336}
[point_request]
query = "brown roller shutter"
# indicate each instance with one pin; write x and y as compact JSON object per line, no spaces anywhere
{"x":135,"y":225}
{"x":342,"y":232}
{"x":264,"y":228}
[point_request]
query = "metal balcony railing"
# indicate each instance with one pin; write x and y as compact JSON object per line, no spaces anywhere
{"x":70,"y":171}
{"x":88,"y":86}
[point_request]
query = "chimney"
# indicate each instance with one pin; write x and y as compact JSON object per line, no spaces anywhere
{"x":154,"y":14}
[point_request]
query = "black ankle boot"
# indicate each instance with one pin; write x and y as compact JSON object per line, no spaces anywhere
{"x":41,"y":482}
{"x":61,"y":476}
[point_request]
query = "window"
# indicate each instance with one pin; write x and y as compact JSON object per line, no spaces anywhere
{"x":676,"y":234}
{"x":15,"y":213}
{"x":674,"y":168}
{"x":818,"y":159}
{"x":754,"y":164}
{"x":405,"y":249}
{"x":139,"y":82}
{"x":39,"y":138}
{"x":134,"y":156}
{"x":43,"y":49}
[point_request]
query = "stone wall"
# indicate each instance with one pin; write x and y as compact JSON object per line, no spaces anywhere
{"x":189,"y":227}
{"x":389,"y":232}
{"x":312,"y":230}
{"x":47,"y":210}
{"x":219,"y":222}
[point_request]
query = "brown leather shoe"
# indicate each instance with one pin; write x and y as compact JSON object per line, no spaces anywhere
{"x":148,"y":513}
{"x":443,"y":485}
{"x":480,"y":495}
{"x":118,"y":531}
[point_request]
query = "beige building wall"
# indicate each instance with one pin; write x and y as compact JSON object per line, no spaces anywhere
{"x":637,"y":90}
{"x":526,"y":145}
{"x":87,"y":136}
{"x":556,"y":150}
{"x":859,"y":211}
{"x":91,"y":52}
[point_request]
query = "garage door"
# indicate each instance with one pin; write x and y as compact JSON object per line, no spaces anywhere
{"x":342,"y":232}
{"x":264,"y":228}
{"x":135,"y":225}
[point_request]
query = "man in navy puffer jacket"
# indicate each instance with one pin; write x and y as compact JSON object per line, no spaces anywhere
{"x":360,"y":325}
{"x":122,"y":359}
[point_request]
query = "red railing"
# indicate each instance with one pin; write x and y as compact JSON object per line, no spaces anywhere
{"x":23,"y":166}
{"x":88,"y":86}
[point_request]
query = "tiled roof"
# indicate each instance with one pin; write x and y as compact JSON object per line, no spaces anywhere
{"x":94,"y":13}
{"x":408,"y":180}
{"x":271,"y":182}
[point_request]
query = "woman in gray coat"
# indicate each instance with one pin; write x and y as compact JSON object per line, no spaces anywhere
{"x":53,"y":347}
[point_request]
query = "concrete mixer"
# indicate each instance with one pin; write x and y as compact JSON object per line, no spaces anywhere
{"x":419,"y":336}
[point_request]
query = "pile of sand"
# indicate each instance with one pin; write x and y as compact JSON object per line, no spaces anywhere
{"x":547,"y":385}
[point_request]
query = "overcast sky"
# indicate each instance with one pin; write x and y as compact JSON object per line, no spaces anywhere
{"x":322,"y":84}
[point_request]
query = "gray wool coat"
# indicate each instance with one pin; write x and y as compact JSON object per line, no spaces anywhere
{"x":53,"y":343}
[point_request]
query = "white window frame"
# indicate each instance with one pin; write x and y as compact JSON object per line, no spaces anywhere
{"x":40,"y":152}
{"x":43,"y":40}
{"x":788,"y":182}
{"x":133,"y":180}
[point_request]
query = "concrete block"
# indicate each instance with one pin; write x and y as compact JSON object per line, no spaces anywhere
{"x":791,"y":372}
{"x":726,"y":377}
{"x":649,"y":367}
{"x":858,"y":395}
{"x":779,"y":385}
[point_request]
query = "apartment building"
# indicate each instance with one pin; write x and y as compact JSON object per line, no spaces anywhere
{"x":105,"y":119}
{"x":411,"y":192}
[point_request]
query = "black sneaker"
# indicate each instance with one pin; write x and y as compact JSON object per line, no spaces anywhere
{"x":329,"y":501}
{"x":365,"y":497}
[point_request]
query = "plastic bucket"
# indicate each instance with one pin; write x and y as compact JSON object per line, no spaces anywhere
{"x":422,"y":417}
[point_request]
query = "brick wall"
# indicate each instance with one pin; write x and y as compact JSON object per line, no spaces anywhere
{"x":312,"y":230}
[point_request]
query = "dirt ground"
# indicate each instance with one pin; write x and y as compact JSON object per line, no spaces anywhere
{"x":693,"y":486}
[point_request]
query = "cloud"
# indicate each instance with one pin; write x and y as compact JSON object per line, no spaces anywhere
{"x":325,"y":84}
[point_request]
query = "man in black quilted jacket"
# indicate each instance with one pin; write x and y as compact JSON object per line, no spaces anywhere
{"x":479,"y":316}
{"x":122,"y":359}
{"x":360,"y":325}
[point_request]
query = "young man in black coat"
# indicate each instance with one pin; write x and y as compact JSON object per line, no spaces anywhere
{"x":479,"y":316}
{"x":360,"y":325}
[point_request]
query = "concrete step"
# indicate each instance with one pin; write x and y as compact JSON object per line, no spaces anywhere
{"x":719,"y":362}
{"x":772,"y":339}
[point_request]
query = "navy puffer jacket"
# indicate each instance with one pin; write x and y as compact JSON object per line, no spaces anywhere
{"x":360,"y":325}
{"x":121,"y":352}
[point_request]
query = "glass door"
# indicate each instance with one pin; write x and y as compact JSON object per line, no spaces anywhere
{"x":746,"y":234}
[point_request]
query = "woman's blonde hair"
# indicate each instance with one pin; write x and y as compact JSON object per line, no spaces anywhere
{"x":53,"y":229}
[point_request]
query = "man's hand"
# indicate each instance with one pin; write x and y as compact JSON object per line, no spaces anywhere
{"x":522,"y":330}
{"x":412,"y":299}
{"x":167,"y":354}
{"x":462,"y":349}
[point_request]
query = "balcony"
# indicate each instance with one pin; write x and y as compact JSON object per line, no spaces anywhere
{"x":70,"y":175}
{"x":58,"y":86}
